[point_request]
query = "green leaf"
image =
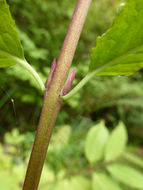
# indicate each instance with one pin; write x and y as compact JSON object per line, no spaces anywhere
{"x":95,"y":142}
{"x":116,"y":143}
{"x":11,"y":51}
{"x":120,"y":50}
{"x":80,"y":183}
{"x":47,"y":179}
{"x":48,"y":186}
{"x":10,"y":46}
{"x":135,"y":159}
{"x":63,"y":185}
{"x":126,"y":175}
{"x":8,"y":181}
{"x":60,"y":138}
{"x":75,"y":183}
{"x":101,"y":181}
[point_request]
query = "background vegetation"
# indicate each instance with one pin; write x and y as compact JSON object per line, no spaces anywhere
{"x":42,"y":26}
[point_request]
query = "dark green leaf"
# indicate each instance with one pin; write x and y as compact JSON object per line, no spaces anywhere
{"x":120,"y":50}
{"x":10,"y":46}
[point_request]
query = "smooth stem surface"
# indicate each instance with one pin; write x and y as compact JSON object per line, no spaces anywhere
{"x":52,"y":100}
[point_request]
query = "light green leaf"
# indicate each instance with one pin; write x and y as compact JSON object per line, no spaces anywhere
{"x":116,"y":143}
{"x":80,"y":183}
{"x":101,"y":181}
{"x":47,"y":179}
{"x":61,"y":138}
{"x":48,"y":186}
{"x":47,"y":175}
{"x":95,"y":142}
{"x":19,"y":172}
{"x":75,"y":183}
{"x":8,"y":181}
{"x":10,"y":46}
{"x":126,"y":175}
{"x":120,"y":50}
{"x":63,"y":185}
{"x":135,"y":159}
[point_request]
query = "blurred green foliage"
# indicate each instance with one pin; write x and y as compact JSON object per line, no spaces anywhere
{"x":42,"y":26}
{"x":86,"y":163}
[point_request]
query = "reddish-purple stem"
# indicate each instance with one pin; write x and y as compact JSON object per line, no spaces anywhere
{"x":52,"y":100}
{"x":50,"y":76}
{"x":68,"y":83}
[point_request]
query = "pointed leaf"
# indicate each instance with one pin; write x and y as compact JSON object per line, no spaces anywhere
{"x":127,"y":175}
{"x":101,"y":181}
{"x":80,"y":183}
{"x":120,"y":50}
{"x":10,"y":46}
{"x":116,"y":143}
{"x":135,"y":159}
{"x":95,"y":142}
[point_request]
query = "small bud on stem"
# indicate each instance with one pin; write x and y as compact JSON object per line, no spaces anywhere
{"x":68,"y":83}
{"x":50,"y":76}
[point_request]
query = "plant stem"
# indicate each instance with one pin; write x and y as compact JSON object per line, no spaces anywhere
{"x":52,"y":100}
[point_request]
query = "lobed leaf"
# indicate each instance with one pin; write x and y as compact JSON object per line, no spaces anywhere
{"x":120,"y":50}
{"x":10,"y":46}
